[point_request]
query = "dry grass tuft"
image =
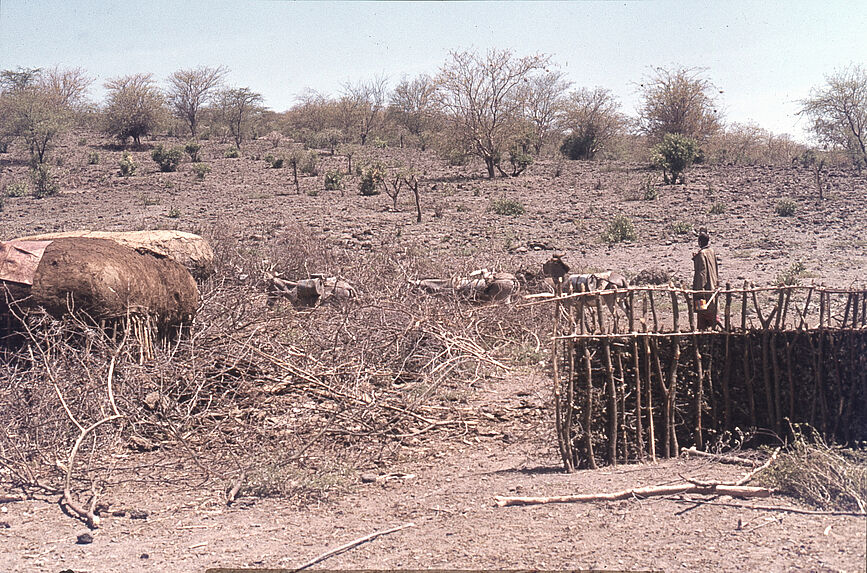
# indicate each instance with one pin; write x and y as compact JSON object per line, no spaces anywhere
{"x":822,"y":475}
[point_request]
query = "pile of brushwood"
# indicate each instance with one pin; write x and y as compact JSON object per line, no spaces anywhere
{"x":256,"y":398}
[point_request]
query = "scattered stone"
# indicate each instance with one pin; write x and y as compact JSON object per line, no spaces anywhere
{"x":4,"y":525}
{"x":84,"y":539}
{"x":119,"y":513}
{"x":144,"y":556}
{"x":138,"y":514}
{"x":368,"y":478}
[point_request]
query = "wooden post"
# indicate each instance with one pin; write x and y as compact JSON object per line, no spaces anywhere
{"x":727,"y":361}
{"x":699,"y":370}
{"x":786,"y":306}
{"x":779,"y":309}
{"x":651,"y":431}
{"x":728,"y":307}
{"x":748,"y":378}
{"x":744,"y":307}
{"x":803,"y":323}
{"x":621,"y":392}
{"x":675,"y":311}
{"x":653,"y":311}
{"x":611,"y":391}
{"x":588,"y":407}
{"x":672,"y":396}
{"x":565,"y":454}
{"x":639,"y":429}
{"x":766,"y":376}
{"x":666,"y":442}
{"x":846,"y":314}
{"x":601,"y":318}
{"x":775,"y":367}
{"x":570,"y":406}
{"x":791,"y":376}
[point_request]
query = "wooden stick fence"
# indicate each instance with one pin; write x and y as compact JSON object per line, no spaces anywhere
{"x":634,"y":380}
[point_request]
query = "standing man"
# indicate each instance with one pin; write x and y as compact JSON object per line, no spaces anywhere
{"x":706,"y":281}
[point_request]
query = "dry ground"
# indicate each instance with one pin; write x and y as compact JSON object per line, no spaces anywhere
{"x":512,"y":451}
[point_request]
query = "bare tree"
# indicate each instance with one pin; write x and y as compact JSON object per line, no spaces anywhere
{"x":679,"y":100}
{"x":189,"y":90}
{"x":543,"y":97}
{"x":239,"y":108}
{"x":412,"y":107}
{"x":135,"y":107}
{"x":365,"y":102}
{"x":838,"y":112}
{"x":479,"y":95}
{"x":593,"y":118}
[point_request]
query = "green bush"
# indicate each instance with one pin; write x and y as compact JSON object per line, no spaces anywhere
{"x":620,"y":230}
{"x":168,"y":159}
{"x":681,"y":228}
{"x":200,"y":170}
{"x":674,"y":155}
{"x":93,"y":158}
{"x":232,"y":153}
{"x":372,"y":178}
{"x":309,"y":164}
{"x":44,"y":183}
{"x":507,"y":207}
{"x":333,"y":180}
{"x":192,"y":149}
{"x":786,"y":208}
{"x":793,"y":275}
{"x":127,"y":165}
{"x":174,"y":213}
{"x":274,"y":162}
{"x":649,"y":190}
{"x":17,"y":189}
{"x":717,"y":209}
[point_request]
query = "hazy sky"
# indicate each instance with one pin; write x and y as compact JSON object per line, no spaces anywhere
{"x":765,"y":56}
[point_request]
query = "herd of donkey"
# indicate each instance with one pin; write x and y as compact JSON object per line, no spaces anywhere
{"x":111,"y":275}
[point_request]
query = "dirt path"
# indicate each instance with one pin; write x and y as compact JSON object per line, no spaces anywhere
{"x":457,"y":526}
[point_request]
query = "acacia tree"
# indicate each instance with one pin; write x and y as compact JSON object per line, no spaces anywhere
{"x":38,"y":105}
{"x":678,"y":100}
{"x":479,"y":94}
{"x":593,"y":119}
{"x":239,"y":109}
{"x":66,"y":86}
{"x":542,"y":97}
{"x":412,"y":107}
{"x":838,"y":112}
{"x":191,"y":89}
{"x":134,"y":107}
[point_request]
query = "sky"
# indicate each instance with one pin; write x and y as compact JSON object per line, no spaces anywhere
{"x":764,"y":56}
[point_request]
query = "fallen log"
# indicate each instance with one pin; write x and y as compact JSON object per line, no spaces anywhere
{"x":640,"y":492}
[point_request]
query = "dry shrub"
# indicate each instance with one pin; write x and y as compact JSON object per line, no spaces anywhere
{"x":825,"y":476}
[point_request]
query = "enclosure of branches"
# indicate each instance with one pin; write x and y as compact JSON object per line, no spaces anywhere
{"x":636,"y":379}
{"x":259,"y":397}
